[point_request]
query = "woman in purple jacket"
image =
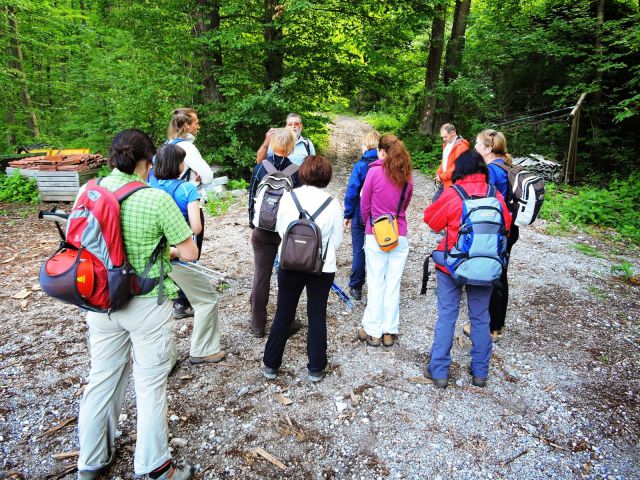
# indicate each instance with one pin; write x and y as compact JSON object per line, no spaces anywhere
{"x":386,"y":190}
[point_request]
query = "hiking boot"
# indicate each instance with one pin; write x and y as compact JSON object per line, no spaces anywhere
{"x":100,"y":474}
{"x":180,"y":311}
{"x":269,"y":373}
{"x":437,"y":382}
{"x":477,"y":381}
{"x":494,"y":335}
{"x":371,"y":341}
{"x":316,"y":376}
{"x":173,"y":473}
{"x":356,"y":293}
{"x":388,"y":339}
{"x":92,"y":475}
{"x":215,"y":358}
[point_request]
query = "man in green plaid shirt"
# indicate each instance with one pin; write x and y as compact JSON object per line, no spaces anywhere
{"x":143,"y":326}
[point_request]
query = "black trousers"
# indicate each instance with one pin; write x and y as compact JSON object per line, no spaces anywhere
{"x":500,"y":295}
{"x":290,"y":286}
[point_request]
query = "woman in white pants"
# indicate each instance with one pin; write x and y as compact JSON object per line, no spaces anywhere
{"x":387,"y":190}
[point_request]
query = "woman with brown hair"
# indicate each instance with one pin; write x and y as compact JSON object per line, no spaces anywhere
{"x":315,"y":174}
{"x":492,"y":145}
{"x":386,"y":190}
{"x":182,"y":131}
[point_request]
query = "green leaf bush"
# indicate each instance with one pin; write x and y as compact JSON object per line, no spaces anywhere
{"x":18,"y":189}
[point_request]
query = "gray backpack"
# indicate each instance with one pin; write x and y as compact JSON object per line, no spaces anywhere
{"x":302,"y":242}
{"x":269,"y":193}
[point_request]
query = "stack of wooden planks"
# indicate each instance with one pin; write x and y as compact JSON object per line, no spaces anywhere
{"x":74,"y":162}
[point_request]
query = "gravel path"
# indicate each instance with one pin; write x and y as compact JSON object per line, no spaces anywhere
{"x":561,"y":402}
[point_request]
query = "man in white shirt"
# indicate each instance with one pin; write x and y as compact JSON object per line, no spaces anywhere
{"x":452,"y":146}
{"x":303,"y":146}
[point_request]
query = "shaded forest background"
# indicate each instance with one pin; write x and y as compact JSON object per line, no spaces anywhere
{"x":73,"y":73}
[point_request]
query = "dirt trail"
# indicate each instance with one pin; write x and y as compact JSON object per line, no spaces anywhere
{"x":561,"y":402}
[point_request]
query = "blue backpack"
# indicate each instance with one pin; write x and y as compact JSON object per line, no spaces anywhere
{"x":480,"y":251}
{"x":151,"y":178}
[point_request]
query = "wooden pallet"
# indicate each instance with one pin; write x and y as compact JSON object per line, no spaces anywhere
{"x":57,"y":186}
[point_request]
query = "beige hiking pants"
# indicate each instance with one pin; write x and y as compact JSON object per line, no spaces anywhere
{"x":146,"y":328}
{"x":205,"y":339}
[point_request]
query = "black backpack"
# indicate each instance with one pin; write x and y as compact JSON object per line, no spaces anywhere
{"x":269,"y":193}
{"x":302,"y":242}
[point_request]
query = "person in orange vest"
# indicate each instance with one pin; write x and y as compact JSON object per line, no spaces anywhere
{"x":452,"y":147}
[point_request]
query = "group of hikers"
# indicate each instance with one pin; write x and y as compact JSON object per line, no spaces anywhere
{"x":289,"y":209}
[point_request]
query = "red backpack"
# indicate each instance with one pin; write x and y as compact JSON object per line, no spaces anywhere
{"x":90,"y":269}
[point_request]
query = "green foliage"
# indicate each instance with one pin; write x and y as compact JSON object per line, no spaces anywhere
{"x":16,"y":188}
{"x":218,"y":204}
{"x":588,"y":250}
{"x":615,"y":207}
{"x":241,"y":184}
{"x":624,"y":269}
{"x":384,"y":122}
{"x":104,"y":171}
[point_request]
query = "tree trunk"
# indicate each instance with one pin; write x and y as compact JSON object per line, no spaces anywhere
{"x":208,"y":23}
{"x":427,"y":116}
{"x":597,"y":96}
{"x":17,"y":63}
{"x":274,"y":63}
{"x":455,"y":46}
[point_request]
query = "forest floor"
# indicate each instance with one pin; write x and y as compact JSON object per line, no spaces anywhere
{"x":562,"y":399}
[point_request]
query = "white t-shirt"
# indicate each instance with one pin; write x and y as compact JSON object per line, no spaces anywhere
{"x":329,"y":221}
{"x":194,"y":161}
{"x":445,"y":154}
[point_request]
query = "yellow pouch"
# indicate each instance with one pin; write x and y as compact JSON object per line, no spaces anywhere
{"x":385,"y":231}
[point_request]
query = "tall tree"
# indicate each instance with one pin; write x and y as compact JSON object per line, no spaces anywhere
{"x":208,"y":27}
{"x":274,"y":61}
{"x":436,"y":46}
{"x":455,"y":45}
{"x":16,"y":63}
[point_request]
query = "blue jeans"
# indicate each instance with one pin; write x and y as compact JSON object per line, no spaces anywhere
{"x":356,"y":279}
{"x":449,"y":295}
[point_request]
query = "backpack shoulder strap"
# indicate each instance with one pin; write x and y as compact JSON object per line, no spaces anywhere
{"x":129,"y":189}
{"x":268,"y":166}
{"x":303,"y":212}
{"x":290,"y":170}
{"x":491,"y":191}
{"x":305,"y":142}
{"x":174,"y":141}
{"x":460,"y":191}
{"x":176,"y":187}
{"x":502,"y":166}
{"x":404,"y":191}
{"x":324,"y":205}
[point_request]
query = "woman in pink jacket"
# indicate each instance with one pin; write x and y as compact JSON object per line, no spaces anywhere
{"x":387,"y":190}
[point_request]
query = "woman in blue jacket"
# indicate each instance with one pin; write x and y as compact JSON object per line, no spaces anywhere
{"x":352,"y":217}
{"x":492,"y":145}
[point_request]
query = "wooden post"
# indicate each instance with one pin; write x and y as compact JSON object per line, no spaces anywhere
{"x":572,"y":153}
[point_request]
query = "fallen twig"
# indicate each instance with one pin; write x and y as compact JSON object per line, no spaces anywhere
{"x":62,"y":473}
{"x":267,"y":456}
{"x":546,"y":440}
{"x":63,"y":455}
{"x":395,"y":388}
{"x":506,"y":462}
{"x":60,"y":426}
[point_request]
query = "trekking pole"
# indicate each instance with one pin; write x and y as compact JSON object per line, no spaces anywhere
{"x":341,"y":295}
{"x":55,"y":215}
{"x":206,"y":271}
